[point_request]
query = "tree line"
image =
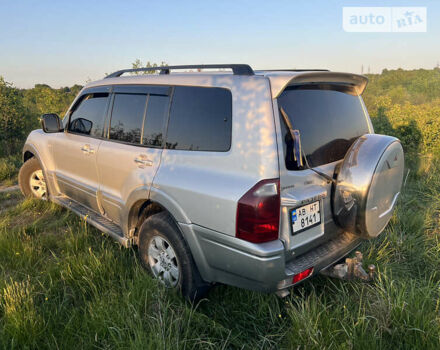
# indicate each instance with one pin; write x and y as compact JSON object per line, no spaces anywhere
{"x":20,"y":110}
{"x":402,"y":103}
{"x":406,"y":104}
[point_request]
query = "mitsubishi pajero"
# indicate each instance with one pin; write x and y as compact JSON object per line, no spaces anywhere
{"x":256,"y":179}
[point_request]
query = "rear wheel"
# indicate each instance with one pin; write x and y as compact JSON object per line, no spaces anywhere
{"x":31,"y":179}
{"x":165,"y":254}
{"x":163,"y":261}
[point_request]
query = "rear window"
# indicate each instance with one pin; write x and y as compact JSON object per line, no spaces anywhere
{"x":329,"y":117}
{"x":200,"y":119}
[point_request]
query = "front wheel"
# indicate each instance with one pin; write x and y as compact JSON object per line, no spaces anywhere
{"x":165,"y":254}
{"x":31,"y":179}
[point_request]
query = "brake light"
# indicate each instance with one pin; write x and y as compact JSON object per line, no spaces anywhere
{"x":258,"y":212}
{"x":302,"y":275}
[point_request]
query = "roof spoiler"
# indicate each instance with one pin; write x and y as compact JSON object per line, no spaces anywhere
{"x":279,"y":83}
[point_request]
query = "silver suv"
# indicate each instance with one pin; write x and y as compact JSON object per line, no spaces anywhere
{"x":257,"y":179}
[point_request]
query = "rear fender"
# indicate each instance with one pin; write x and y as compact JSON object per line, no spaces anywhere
{"x":155,"y":195}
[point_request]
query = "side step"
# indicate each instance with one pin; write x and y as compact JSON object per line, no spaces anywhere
{"x":94,"y":219}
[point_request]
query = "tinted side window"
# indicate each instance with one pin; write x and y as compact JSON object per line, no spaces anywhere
{"x":88,"y":117}
{"x":157,"y":110}
{"x":127,"y":117}
{"x":200,"y":119}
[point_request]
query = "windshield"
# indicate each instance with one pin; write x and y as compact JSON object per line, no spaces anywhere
{"x":329,"y":118}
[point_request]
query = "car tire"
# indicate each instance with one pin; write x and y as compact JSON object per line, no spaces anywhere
{"x":162,"y":250}
{"x":31,"y":179}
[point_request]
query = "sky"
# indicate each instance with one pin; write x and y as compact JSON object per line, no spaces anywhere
{"x":62,"y":43}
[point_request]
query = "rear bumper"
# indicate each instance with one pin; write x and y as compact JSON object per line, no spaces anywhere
{"x":320,"y":257}
{"x":261,"y":267}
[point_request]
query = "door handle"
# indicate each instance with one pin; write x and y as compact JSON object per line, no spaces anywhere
{"x":87,"y":150}
{"x":143,"y":161}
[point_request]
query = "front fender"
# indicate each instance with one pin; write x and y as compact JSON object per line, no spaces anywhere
{"x":38,"y":144}
{"x":32,"y":149}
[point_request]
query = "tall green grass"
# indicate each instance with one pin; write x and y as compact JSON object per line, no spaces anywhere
{"x":63,"y":285}
{"x":9,"y":167}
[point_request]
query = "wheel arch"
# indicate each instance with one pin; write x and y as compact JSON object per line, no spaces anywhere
{"x":27,"y":155}
{"x":30,"y":151}
{"x":141,"y":210}
{"x":144,"y":202}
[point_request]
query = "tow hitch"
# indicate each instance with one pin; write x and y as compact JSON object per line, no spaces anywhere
{"x":351,"y":269}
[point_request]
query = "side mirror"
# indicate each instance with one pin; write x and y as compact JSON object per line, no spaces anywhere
{"x":51,"y":122}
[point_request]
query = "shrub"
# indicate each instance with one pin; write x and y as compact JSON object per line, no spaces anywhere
{"x":417,"y":126}
{"x":9,"y":167}
{"x":12,"y":118}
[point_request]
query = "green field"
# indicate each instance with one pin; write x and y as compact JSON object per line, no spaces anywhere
{"x":63,"y":285}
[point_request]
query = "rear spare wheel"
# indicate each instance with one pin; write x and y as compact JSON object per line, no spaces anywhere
{"x":368,"y":184}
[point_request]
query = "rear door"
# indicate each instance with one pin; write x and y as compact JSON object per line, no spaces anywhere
{"x":130,"y":155}
{"x":75,"y":150}
{"x":329,"y":118}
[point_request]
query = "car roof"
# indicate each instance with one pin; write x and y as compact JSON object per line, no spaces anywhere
{"x":279,"y":79}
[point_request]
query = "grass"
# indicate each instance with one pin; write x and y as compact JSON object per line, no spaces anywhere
{"x":9,"y":167}
{"x":64,"y":285}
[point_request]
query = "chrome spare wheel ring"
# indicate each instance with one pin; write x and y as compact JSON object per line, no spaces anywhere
{"x":163,"y":261}
{"x":38,"y":184}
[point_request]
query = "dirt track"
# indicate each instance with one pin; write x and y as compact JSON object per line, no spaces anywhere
{"x":9,"y":189}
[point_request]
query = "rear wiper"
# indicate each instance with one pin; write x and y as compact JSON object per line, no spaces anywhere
{"x":297,"y":148}
{"x":296,"y":138}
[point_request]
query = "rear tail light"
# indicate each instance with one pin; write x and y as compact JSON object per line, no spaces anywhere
{"x":302,"y":275}
{"x":258,"y":212}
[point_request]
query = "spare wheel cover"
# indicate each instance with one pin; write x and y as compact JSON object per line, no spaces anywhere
{"x":368,"y":184}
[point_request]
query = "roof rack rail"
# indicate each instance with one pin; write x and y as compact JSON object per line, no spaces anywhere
{"x":293,"y":70}
{"x":237,"y":69}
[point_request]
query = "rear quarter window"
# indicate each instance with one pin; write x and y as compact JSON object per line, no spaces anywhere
{"x":200,"y":119}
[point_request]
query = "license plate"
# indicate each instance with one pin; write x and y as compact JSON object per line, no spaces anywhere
{"x":305,"y":217}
